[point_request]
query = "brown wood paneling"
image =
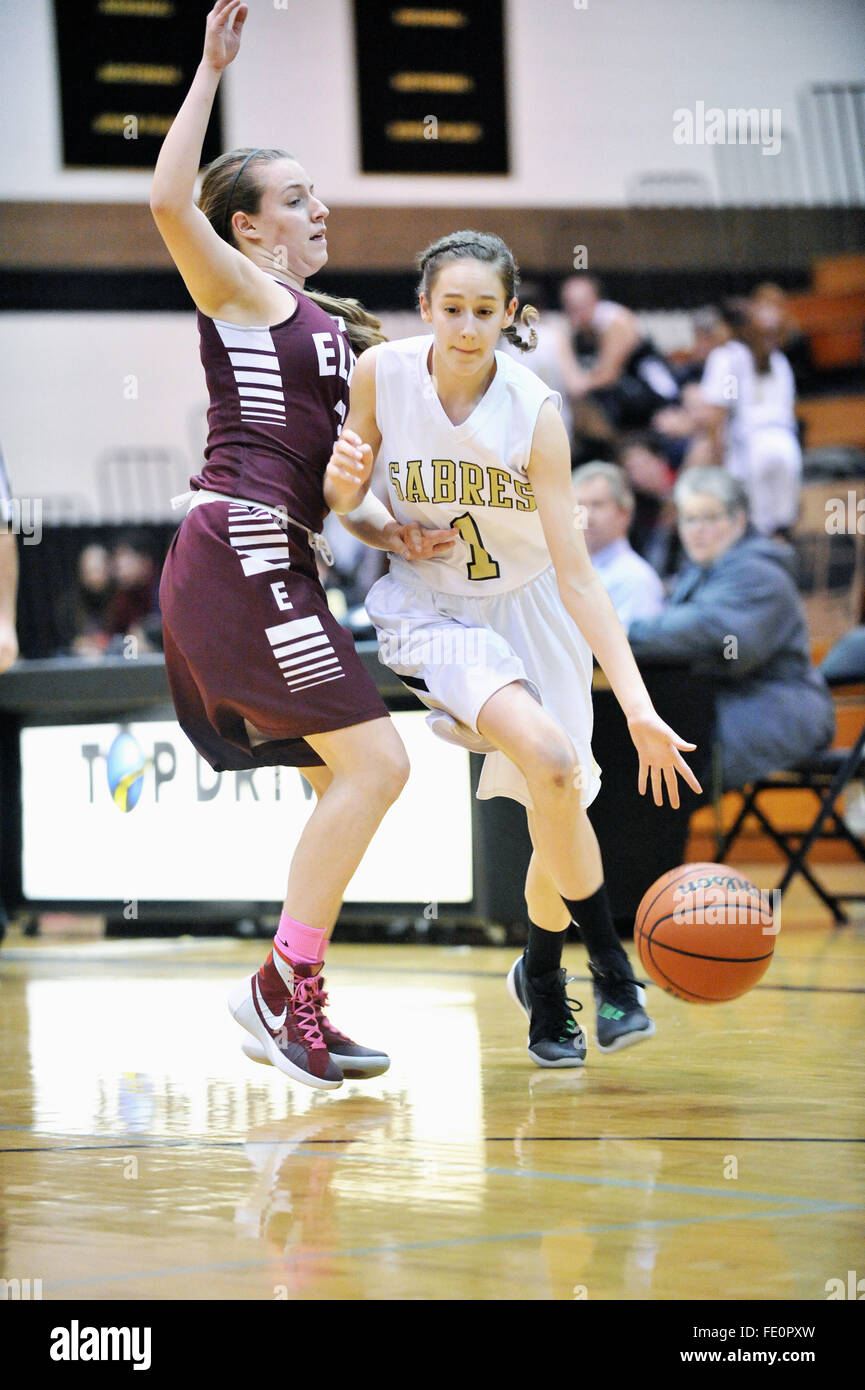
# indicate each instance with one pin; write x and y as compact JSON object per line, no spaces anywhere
{"x":55,"y":235}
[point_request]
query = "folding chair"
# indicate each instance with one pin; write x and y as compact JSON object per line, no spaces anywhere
{"x":826,"y":774}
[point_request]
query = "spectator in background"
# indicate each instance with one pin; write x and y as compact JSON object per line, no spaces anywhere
{"x":613,"y":374}
{"x":606,"y":501}
{"x":735,"y":615}
{"x":710,"y":330}
{"x":679,"y":426}
{"x":791,"y":340}
{"x":134,"y":608}
{"x":750,"y":424}
{"x":653,"y":532}
{"x":87,"y":620}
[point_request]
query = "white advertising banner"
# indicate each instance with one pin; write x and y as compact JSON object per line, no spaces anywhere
{"x":130,"y":813}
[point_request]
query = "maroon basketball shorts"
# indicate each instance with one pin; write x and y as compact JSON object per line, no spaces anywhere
{"x":249,"y":636}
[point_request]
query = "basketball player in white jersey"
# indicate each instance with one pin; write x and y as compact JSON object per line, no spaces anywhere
{"x":495,"y":631}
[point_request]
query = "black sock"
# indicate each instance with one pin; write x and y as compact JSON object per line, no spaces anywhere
{"x":544,"y":950}
{"x":594,"y":920}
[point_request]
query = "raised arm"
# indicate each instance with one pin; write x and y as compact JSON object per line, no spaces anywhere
{"x":589,"y":604}
{"x":216,"y":274}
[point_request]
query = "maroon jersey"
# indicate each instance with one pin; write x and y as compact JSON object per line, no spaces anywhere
{"x":278,"y":397}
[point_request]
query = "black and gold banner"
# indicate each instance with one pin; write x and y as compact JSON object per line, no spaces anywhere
{"x":125,"y":67}
{"x":431,"y":83}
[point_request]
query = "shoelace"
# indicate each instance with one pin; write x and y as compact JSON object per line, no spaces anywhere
{"x":321,"y":996}
{"x":619,"y":988}
{"x":571,"y":1026}
{"x":559,"y":1017}
{"x":304,"y":1012}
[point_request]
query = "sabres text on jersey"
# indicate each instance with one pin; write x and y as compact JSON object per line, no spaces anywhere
{"x":433,"y":481}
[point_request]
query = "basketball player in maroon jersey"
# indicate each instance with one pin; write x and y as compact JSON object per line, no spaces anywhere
{"x":260,"y":672}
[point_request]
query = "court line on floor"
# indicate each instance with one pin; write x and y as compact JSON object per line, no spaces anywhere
{"x":659,"y":1138}
{"x":16,"y":954}
{"x":588,"y":1180}
{"x":405,"y":1247}
{"x":115,"y":1143}
{"x":457,"y":1160}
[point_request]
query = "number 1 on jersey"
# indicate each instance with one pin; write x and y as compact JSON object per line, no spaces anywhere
{"x":481,"y":565}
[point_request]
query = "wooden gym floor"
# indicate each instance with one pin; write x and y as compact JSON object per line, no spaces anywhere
{"x":143,"y":1157}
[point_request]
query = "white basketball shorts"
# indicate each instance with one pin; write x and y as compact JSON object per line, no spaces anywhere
{"x":457,"y":650}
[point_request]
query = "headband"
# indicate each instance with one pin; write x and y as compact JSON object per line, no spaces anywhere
{"x":226,"y":219}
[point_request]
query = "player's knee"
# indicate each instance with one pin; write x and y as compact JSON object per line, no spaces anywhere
{"x":554,"y":766}
{"x":391,"y":773}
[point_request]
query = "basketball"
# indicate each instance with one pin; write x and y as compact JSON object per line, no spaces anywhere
{"x":705,"y":933}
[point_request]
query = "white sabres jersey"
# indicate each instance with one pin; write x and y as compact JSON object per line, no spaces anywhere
{"x":471,"y":476}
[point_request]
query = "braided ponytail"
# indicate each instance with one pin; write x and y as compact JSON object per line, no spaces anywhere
{"x":529,"y":316}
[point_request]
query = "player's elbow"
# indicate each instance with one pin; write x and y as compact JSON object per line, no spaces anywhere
{"x":164,"y":208}
{"x":576,"y":587}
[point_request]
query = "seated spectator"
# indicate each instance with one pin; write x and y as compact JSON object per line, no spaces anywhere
{"x":791,"y":340}
{"x":710,"y":331}
{"x":735,"y":615}
{"x":602,"y":491}
{"x":613,"y":374}
{"x":653,"y":532}
{"x":679,"y":426}
{"x":134,"y":608}
{"x":87,"y":615}
{"x":749,"y":394}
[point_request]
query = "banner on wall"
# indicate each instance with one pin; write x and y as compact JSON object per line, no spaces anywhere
{"x":125,"y":67}
{"x":431,"y":87}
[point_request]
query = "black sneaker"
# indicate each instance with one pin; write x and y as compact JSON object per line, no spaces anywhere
{"x":620,"y":1017}
{"x":555,"y":1040}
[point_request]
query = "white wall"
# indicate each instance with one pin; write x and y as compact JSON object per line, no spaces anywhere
{"x":592,"y":94}
{"x":75,"y":385}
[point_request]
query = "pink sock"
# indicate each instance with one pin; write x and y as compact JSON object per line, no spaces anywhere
{"x":298,"y":944}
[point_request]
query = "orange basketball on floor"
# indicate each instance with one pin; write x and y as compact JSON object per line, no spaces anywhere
{"x":705,"y":933}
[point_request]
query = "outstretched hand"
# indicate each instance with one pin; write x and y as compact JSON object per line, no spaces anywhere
{"x":222,"y":34}
{"x":659,"y":749}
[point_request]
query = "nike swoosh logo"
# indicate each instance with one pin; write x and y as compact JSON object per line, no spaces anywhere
{"x":273,"y":1023}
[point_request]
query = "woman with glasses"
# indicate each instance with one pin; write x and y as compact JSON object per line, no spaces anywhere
{"x":735,"y":615}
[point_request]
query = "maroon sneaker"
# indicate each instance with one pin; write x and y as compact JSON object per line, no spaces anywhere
{"x":352,"y":1059}
{"x":283,"y":1020}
